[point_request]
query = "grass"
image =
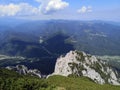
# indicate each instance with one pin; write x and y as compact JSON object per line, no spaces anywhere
{"x":82,"y":83}
{"x":10,"y":80}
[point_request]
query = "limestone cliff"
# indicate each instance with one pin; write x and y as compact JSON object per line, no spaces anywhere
{"x":79,"y":64}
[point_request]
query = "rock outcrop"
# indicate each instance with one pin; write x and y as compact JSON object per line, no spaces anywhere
{"x":79,"y":64}
{"x":21,"y":69}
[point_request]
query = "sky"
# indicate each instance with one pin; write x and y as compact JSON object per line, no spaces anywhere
{"x":61,"y":9}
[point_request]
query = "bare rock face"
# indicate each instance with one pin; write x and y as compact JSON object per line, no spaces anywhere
{"x":81,"y":64}
{"x":23,"y":70}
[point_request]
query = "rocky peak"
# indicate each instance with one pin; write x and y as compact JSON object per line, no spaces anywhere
{"x":81,"y":64}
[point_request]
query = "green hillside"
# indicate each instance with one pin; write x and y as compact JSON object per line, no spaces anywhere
{"x":70,"y":83}
{"x":10,"y":80}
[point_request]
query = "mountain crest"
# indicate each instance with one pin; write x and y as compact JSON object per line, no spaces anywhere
{"x":76,"y":63}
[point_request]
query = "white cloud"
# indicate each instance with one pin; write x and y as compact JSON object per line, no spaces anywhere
{"x":17,"y":9}
{"x":48,"y":6}
{"x":85,"y":9}
{"x":26,"y":9}
{"x":45,"y":7}
{"x":9,"y":10}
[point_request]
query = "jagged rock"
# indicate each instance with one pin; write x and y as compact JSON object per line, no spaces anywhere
{"x":82,"y":64}
{"x":21,"y":69}
{"x":34,"y":72}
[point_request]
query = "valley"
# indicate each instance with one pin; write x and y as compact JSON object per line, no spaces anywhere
{"x":35,"y":56}
{"x":59,"y":44}
{"x":58,"y":37}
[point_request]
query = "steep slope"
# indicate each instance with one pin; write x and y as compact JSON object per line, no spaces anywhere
{"x":70,"y":83}
{"x":78,"y":64}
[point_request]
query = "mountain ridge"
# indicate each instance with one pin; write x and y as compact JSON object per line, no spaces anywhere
{"x":76,"y":63}
{"x":90,"y":36}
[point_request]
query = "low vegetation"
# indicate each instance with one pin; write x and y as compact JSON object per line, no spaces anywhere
{"x":10,"y":80}
{"x":75,"y":83}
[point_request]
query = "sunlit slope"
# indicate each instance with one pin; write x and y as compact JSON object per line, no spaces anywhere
{"x":72,"y":83}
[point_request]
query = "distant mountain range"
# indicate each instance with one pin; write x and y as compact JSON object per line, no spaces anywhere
{"x":42,"y":42}
{"x":94,"y":37}
{"x":36,"y":49}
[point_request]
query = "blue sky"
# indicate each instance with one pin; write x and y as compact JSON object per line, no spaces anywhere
{"x":61,"y":9}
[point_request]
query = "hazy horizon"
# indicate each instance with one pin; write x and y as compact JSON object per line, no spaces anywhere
{"x":107,"y":10}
